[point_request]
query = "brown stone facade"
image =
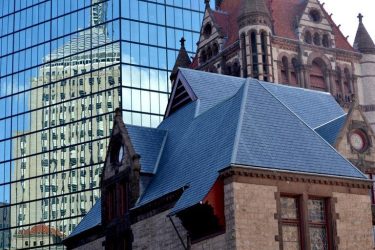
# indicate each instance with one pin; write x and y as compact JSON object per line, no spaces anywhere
{"x":252,"y":213}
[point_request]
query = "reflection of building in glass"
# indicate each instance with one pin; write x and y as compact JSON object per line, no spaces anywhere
{"x":72,"y":112}
{"x":37,"y":235}
{"x":4,"y":223}
{"x":64,"y":67}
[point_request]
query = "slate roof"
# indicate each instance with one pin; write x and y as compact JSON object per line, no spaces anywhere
{"x":363,"y":42}
{"x":92,"y":219}
{"x":148,"y":143}
{"x":236,"y":121}
{"x":245,"y":122}
{"x":283,"y":14}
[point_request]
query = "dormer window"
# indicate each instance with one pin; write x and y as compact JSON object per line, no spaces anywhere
{"x":315,"y":15}
{"x":207,"y":30}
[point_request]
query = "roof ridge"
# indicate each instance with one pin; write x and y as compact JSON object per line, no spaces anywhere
{"x":244,"y":88}
{"x":303,"y":122}
{"x":322,"y":125}
{"x":160,"y":152}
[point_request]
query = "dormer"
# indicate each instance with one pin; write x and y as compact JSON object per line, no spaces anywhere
{"x":313,"y":27}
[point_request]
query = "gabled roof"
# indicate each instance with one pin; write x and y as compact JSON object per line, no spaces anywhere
{"x":92,"y":219}
{"x":245,"y":122}
{"x":284,"y":14}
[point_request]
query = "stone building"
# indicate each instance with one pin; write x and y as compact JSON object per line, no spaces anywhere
{"x":236,"y":164}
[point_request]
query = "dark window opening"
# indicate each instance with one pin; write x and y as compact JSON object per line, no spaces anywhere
{"x":308,"y":37}
{"x":254,"y":55}
{"x":264,"y":45}
{"x":200,"y":221}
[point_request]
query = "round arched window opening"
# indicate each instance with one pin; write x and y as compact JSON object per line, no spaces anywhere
{"x":359,"y":140}
{"x":317,"y":39}
{"x":315,"y":15}
{"x":207,"y":30}
{"x":325,"y":41}
{"x":308,"y":37}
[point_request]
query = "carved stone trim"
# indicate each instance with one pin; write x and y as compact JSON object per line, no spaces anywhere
{"x":274,"y":177}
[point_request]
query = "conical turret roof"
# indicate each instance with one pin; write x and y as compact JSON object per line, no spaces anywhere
{"x":363,"y":42}
{"x":183,"y":60}
{"x":254,"y":6}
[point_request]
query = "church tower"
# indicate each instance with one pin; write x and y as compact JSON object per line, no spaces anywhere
{"x":254,"y":23}
{"x":366,"y":82}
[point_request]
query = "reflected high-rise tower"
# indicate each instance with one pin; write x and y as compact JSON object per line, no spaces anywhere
{"x":64,"y":67}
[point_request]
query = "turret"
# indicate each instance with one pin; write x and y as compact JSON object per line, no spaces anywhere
{"x":366,"y":82}
{"x":363,"y":42}
{"x":183,"y":60}
{"x":254,"y":24}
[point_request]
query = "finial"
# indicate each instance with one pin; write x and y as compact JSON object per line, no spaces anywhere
{"x":118,"y":112}
{"x":182,"y":41}
{"x":360,"y":17}
{"x":207,"y":2}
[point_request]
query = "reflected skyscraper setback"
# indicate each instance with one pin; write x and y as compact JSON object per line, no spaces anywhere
{"x":65,"y":65}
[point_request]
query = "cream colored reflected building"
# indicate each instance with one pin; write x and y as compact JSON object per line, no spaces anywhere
{"x":59,"y":161}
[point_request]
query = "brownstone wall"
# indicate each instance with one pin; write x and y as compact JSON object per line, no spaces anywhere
{"x":255,"y":226}
{"x":354,"y":223}
{"x":157,"y":233}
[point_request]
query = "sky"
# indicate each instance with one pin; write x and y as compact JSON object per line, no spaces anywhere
{"x":345,"y":12}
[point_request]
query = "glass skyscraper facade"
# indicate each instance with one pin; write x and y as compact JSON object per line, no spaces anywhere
{"x":65,"y":65}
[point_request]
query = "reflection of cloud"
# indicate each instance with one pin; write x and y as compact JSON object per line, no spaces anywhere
{"x":6,"y":88}
{"x":146,"y":96}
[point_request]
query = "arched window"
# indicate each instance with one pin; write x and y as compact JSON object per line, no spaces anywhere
{"x":203,"y":56}
{"x":293,"y":72}
{"x":338,"y":84}
{"x":263,"y":40}
{"x":347,"y":88}
{"x":284,"y":70}
{"x":228,"y":69}
{"x":243,"y":52}
{"x":215,"y":49}
{"x":236,"y":70}
{"x":317,"y":78}
{"x":209,"y":53}
{"x":317,"y":39}
{"x":308,"y":37}
{"x":254,"y":54}
{"x":325,"y":41}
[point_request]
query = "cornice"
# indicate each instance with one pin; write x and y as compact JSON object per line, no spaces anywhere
{"x":294,"y":177}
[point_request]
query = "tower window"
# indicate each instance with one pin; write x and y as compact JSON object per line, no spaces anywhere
{"x":207,"y":30}
{"x":315,"y":16}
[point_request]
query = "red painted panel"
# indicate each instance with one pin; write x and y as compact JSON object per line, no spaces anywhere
{"x":216,"y":199}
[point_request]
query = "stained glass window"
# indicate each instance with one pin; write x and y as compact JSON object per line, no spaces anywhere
{"x":317,"y":224}
{"x":290,"y":223}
